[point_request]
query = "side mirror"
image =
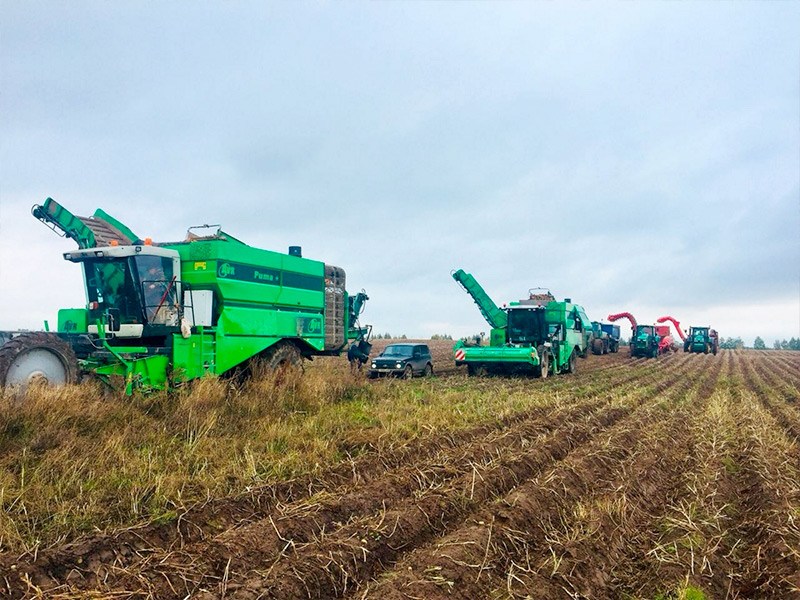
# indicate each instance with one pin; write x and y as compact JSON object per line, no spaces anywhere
{"x":113,"y":319}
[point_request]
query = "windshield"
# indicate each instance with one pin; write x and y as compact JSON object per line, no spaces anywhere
{"x":141,"y":288}
{"x":646,"y":329}
{"x":526,"y":326}
{"x":109,"y":283}
{"x":398,"y":351}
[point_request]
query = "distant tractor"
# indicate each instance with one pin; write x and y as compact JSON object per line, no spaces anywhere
{"x":644,"y":338}
{"x":159,"y":314}
{"x":644,"y":343}
{"x":701,"y":339}
{"x":537,"y":335}
{"x":605,"y":337}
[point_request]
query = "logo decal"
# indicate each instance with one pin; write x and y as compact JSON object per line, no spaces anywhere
{"x":226,"y":269}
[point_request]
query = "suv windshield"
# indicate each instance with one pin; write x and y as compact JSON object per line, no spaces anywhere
{"x":398,"y":351}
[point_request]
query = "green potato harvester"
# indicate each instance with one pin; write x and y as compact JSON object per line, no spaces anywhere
{"x":159,"y":314}
{"x":538,"y":335}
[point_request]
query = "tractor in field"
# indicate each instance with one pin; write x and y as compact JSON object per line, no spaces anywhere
{"x":647,"y":341}
{"x":605,"y":338}
{"x":159,"y":314}
{"x":644,"y":338}
{"x":537,"y":335}
{"x":701,"y":339}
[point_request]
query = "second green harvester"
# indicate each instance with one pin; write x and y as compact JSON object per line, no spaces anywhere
{"x":538,"y":335}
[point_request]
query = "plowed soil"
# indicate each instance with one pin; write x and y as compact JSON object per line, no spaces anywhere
{"x":636,"y":479}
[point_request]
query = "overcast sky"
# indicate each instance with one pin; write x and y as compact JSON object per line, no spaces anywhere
{"x":641,"y":157}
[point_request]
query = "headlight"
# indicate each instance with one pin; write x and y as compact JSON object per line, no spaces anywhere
{"x":399,"y":365}
{"x":374,"y":365}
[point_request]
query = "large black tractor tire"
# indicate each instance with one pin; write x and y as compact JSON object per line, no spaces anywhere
{"x":279,"y":361}
{"x":597,"y":346}
{"x":37,"y":357}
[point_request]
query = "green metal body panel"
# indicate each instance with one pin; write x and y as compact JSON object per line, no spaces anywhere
{"x":194,"y":356}
{"x":497,"y":337}
{"x":103,"y":215}
{"x":73,"y":320}
{"x":261,"y":297}
{"x":145,"y":373}
{"x":498,"y":355}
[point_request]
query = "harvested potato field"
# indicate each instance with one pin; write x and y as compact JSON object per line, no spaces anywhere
{"x":633,"y":478}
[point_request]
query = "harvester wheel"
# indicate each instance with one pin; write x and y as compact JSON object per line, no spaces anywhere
{"x":39,"y":356}
{"x":544,"y":362}
{"x":572,"y":365}
{"x":279,"y":361}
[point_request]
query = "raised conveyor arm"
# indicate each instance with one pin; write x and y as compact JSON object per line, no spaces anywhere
{"x":495,"y":316}
{"x":624,"y":315}
{"x":675,"y":323}
{"x":88,"y":232}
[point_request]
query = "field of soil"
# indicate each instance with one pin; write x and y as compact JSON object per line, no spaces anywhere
{"x":676,"y":477}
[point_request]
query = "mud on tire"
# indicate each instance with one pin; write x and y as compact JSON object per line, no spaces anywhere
{"x":16,"y":354}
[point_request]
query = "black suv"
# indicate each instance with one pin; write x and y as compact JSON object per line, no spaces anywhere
{"x":406,"y":360}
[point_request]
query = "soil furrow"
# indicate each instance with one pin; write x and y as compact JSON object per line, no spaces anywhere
{"x":127,"y":547}
{"x":588,"y":551}
{"x":456,"y":567}
{"x":768,"y":490}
